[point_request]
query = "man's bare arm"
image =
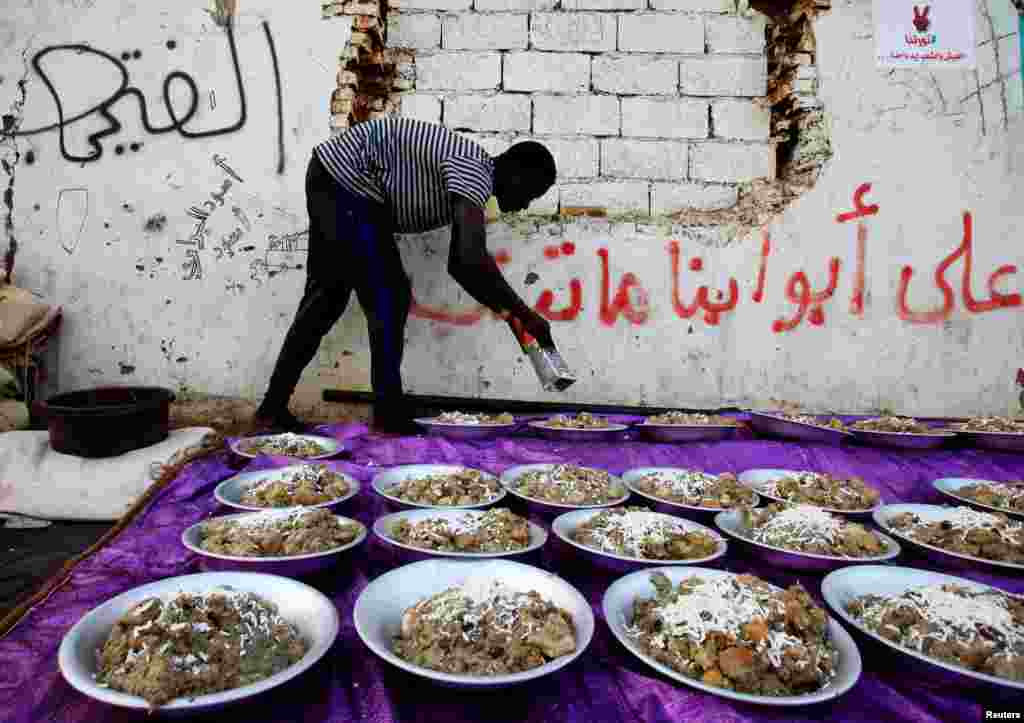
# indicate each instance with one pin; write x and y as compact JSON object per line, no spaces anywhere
{"x":475,"y":270}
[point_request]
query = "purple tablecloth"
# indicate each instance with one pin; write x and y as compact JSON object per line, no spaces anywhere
{"x":605,"y":684}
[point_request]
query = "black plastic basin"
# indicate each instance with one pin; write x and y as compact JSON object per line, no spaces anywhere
{"x":107,"y":421}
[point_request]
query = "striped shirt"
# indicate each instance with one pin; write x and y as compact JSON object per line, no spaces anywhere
{"x":410,"y":166}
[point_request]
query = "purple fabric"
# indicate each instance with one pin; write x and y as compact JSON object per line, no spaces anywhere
{"x":605,"y":684}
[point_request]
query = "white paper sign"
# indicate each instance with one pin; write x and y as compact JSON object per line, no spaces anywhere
{"x":936,"y":34}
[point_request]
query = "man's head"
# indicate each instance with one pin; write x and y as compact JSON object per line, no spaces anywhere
{"x":521,"y":174}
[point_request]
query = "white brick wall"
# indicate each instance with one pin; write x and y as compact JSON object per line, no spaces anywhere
{"x":420,"y":31}
{"x":604,"y":4}
{"x":664,"y":118}
{"x":635,"y":74}
{"x":733,"y":34}
{"x":621,"y":196}
{"x":668,"y":198}
{"x":574,"y":157}
{"x":476,"y":31}
{"x":695,"y":6}
{"x":661,"y":33}
{"x":421,"y":106}
{"x":590,"y":32}
{"x":740,"y":119}
{"x":723,"y":75}
{"x":546,"y":72}
{"x":458,"y":71}
{"x":485,"y":6}
{"x":731,"y":162}
{"x":488,"y":112}
{"x":596,"y":115}
{"x":453,"y":6}
{"x":637,"y":115}
{"x":627,"y":158}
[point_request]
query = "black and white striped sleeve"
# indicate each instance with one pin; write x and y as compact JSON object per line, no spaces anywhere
{"x":468,"y":177}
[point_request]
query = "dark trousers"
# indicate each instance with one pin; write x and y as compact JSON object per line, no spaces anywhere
{"x":351,"y":247}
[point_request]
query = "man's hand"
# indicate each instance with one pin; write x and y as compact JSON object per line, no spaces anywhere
{"x":535,"y":325}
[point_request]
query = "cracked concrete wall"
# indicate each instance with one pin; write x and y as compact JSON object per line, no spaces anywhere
{"x":164,"y":284}
{"x":836,"y":304}
{"x":177,"y":258}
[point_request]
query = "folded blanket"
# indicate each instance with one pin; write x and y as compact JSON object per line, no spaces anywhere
{"x":35,"y":480}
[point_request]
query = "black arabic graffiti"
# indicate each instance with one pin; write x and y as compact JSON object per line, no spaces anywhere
{"x":280,"y":102}
{"x":104,"y":107}
{"x":222,"y":163}
{"x":193,"y":268}
{"x":284,"y":253}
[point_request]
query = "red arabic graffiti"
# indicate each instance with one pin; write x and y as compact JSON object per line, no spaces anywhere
{"x":860,"y":211}
{"x":458,"y":318}
{"x":631,"y":301}
{"x":996,"y":300}
{"x":702,"y":300}
{"x":809,"y":302}
{"x":762,"y":270}
{"x":623,"y":303}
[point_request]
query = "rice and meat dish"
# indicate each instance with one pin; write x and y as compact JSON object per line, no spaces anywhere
{"x":1001,"y":425}
{"x":738,"y":633}
{"x":195,"y":644}
{"x":568,"y":484}
{"x":278,"y":534}
{"x":1005,"y":496}
{"x":497,"y":530}
{"x":638,"y":532}
{"x":990,"y":536}
{"x":696,"y":489}
{"x":309,"y":485}
{"x":485,"y":628}
{"x":981,"y":630}
{"x":474,"y":419}
{"x":581,"y":421}
{"x":287,"y":445}
{"x":465,"y":487}
{"x":814,"y":421}
{"x":898,"y":425}
{"x":692,"y":420}
{"x":805,"y":528}
{"x":822,"y":490}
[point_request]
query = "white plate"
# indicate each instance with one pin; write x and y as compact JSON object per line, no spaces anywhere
{"x":333,"y":446}
{"x":378,"y":610}
{"x":565,"y":525}
{"x":454,"y":430}
{"x":572,"y":434}
{"x":730,"y":522}
{"x":950,"y":486}
{"x":387,"y":479}
{"x":510,"y":475}
{"x":618,"y":611}
{"x":630,"y":477}
{"x":842,"y":586}
{"x":309,"y":610}
{"x":230,"y":491}
{"x":382,"y":528}
{"x":286,"y":565}
{"x":933,"y":513}
{"x":759,"y":479}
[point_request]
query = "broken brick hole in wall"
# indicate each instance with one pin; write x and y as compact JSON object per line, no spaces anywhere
{"x":798,"y":125}
{"x":374,"y":77}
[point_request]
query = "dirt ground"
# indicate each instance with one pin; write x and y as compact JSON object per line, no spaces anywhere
{"x":234,"y":416}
